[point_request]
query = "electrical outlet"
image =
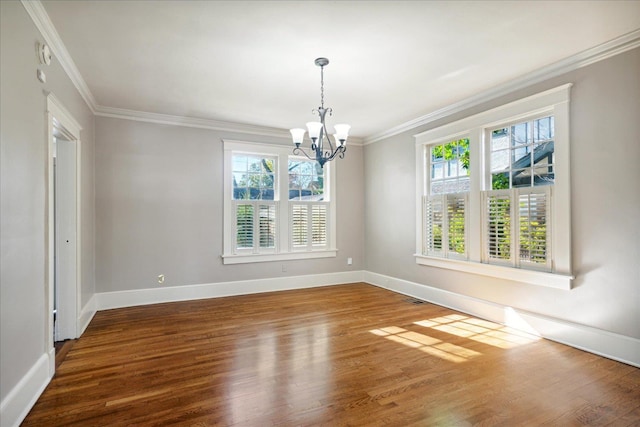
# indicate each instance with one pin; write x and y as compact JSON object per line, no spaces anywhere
{"x":349,"y":261}
{"x":284,"y":268}
{"x":161,"y":278}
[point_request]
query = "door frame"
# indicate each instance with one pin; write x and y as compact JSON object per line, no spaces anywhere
{"x":59,"y":117}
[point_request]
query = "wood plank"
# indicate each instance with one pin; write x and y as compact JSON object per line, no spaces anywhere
{"x":340,"y":355}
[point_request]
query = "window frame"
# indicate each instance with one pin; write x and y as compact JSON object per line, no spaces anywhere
{"x":283,"y":249}
{"x":553,"y":102}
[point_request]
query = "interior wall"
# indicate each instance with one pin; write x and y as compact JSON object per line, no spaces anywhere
{"x":159,"y":207}
{"x":605,"y":203}
{"x":23,"y":144}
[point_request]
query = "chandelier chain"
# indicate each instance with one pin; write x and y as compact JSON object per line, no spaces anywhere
{"x":322,"y":87}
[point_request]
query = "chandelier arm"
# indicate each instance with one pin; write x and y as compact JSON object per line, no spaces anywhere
{"x":326,"y":134}
{"x":338,"y":152}
{"x":299,"y":150}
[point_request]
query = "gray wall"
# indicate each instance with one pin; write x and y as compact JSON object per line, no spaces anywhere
{"x":605,"y":199}
{"x":23,"y":192}
{"x":159,"y":204}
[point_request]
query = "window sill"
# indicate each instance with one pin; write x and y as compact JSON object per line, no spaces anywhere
{"x":288,"y":256}
{"x":540,"y":278}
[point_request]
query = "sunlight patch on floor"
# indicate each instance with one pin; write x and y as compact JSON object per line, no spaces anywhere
{"x":426,"y":344}
{"x":479,"y":330}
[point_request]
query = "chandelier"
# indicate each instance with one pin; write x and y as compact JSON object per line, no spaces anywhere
{"x":323,"y":150}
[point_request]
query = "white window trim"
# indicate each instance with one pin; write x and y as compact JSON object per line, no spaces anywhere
{"x":554,"y":101}
{"x":283,"y":251}
{"x":533,"y":277}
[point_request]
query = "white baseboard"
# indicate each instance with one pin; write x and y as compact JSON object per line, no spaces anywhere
{"x":604,"y":343}
{"x":108,"y":300}
{"x":17,"y":404}
{"x":87,"y":313}
{"x":52,"y":362}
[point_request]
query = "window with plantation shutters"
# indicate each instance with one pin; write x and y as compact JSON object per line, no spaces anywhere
{"x":517,"y":207}
{"x":276,"y":206}
{"x":493,"y":192}
{"x":444,"y":208}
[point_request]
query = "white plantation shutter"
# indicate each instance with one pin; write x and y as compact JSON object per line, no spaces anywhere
{"x":267,"y":225}
{"x":445,"y":225}
{"x":456,"y":224}
{"x":498,"y":226}
{"x":299,"y":228}
{"x":319,"y":225}
{"x":255,"y":226}
{"x":517,"y":227}
{"x":309,"y":225}
{"x":434,"y":221}
{"x":244,"y":226}
{"x":533,"y":213}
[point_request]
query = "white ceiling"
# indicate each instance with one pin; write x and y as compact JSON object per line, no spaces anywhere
{"x":252,"y":62}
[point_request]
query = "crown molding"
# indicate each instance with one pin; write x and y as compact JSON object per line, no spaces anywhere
{"x":167,"y":119}
{"x":219,"y":125}
{"x":598,"y":53}
{"x":41,"y":19}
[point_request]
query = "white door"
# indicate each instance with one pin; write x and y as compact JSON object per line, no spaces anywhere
{"x":65,"y":239}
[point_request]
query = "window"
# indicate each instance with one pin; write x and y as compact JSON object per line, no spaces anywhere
{"x":495,"y":201}
{"x":517,"y":204}
{"x":276,"y":206}
{"x":522,"y":154}
{"x":444,"y":206}
{"x":308,"y":207}
{"x":253,"y":203}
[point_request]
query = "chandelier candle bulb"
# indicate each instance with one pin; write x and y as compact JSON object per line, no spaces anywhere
{"x":323,"y":149}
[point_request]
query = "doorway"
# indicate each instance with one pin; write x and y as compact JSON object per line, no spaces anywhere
{"x":63,"y":225}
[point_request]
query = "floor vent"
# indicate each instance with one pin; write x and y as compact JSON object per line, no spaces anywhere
{"x":415,"y":301}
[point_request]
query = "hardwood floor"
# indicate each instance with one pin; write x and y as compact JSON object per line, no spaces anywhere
{"x":62,"y":348}
{"x":341,"y":355}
